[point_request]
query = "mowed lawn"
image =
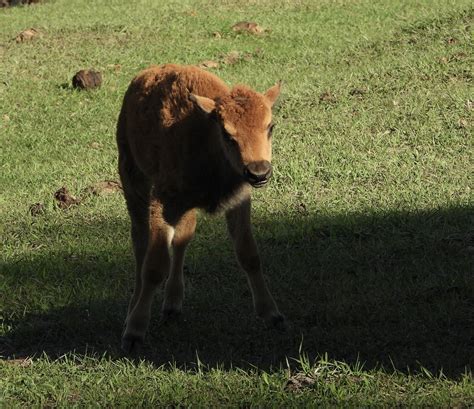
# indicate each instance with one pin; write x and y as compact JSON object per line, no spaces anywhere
{"x":366,"y":229}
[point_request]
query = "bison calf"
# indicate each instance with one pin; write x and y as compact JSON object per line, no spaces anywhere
{"x":187,"y":141}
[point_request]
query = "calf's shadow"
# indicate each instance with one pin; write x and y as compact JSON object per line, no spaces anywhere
{"x":387,"y":289}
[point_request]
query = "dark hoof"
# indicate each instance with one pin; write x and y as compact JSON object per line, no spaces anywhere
{"x":131,"y":344}
{"x":279,"y":323}
{"x":169,"y":317}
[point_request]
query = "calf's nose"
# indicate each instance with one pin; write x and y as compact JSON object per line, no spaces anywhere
{"x":258,"y":172}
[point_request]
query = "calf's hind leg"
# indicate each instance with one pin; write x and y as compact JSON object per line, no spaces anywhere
{"x":155,"y":269}
{"x":238,"y":223}
{"x":136,"y":191}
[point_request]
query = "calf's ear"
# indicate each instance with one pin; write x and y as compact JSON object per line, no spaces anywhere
{"x":205,"y":104}
{"x":273,"y":93}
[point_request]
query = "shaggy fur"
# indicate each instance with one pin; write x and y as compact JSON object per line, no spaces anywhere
{"x":187,"y":141}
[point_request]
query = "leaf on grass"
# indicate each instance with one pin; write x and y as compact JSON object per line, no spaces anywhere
{"x":248,"y":26}
{"x":64,"y":199}
{"x":27,"y":35}
{"x":105,"y":187}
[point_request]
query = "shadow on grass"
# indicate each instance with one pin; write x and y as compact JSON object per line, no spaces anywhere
{"x":389,"y":289}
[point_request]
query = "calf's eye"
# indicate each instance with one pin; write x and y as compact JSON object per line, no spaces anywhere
{"x":270,"y":129}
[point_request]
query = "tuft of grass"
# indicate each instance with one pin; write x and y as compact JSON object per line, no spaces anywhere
{"x":366,"y":231}
{"x":103,"y":382}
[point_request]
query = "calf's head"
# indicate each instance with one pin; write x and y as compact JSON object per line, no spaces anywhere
{"x":244,"y":119}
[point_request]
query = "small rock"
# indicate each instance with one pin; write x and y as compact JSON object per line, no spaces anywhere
{"x":216,"y":34}
{"x":87,"y":79}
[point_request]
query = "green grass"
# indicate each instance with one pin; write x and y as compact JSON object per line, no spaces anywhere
{"x":366,"y":231}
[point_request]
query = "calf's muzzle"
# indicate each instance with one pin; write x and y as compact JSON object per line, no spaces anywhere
{"x":258,"y":173}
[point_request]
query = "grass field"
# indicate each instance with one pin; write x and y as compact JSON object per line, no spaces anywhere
{"x":366,"y":230}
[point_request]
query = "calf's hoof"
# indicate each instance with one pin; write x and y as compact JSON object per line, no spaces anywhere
{"x":131,"y":343}
{"x":169,"y":315}
{"x":277,"y":321}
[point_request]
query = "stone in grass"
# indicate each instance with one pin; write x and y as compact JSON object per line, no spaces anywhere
{"x":87,"y":79}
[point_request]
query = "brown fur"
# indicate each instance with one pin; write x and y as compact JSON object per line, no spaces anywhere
{"x":187,"y":141}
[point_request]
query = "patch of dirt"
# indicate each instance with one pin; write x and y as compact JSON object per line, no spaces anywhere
{"x":37,"y":209}
{"x":234,"y":57}
{"x":231,"y":58}
{"x":105,"y":187}
{"x":27,"y":35}
{"x":328,"y":97}
{"x":208,"y":64}
{"x":298,"y":382}
{"x":87,"y":79}
{"x":357,"y":92}
{"x":249,"y":27}
{"x":23,"y":362}
{"x":64,"y":199}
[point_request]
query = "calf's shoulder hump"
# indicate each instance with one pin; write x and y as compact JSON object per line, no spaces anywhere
{"x":187,"y":77}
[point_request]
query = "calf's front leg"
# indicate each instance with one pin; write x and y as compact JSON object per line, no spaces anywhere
{"x":174,"y":288}
{"x":240,"y":230}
